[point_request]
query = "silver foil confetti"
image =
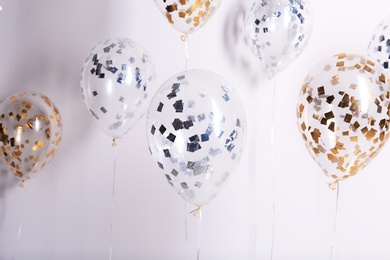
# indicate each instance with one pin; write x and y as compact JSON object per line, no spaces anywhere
{"x":115,"y":82}
{"x":196,"y":154}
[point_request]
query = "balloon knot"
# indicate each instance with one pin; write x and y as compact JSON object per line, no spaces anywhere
{"x":270,"y":77}
{"x":196,"y":212}
{"x":333,"y":185}
{"x":183,"y":37}
{"x":21,"y":185}
{"x":114,"y":144}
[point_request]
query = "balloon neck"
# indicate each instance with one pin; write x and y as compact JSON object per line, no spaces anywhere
{"x":334,"y":185}
{"x":114,"y":143}
{"x":21,"y":185}
{"x":184,"y":37}
{"x":197,"y":212}
{"x":271,"y":76}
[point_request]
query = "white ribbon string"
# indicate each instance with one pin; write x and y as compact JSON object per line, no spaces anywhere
{"x":273,"y":168}
{"x":186,"y":229}
{"x":335,"y":222}
{"x":199,"y":232}
{"x":253,"y":159}
{"x":112,"y":199}
{"x":185,"y":39}
{"x":21,"y":221}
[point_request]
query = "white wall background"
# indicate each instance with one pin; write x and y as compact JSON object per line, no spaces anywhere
{"x":65,"y":211}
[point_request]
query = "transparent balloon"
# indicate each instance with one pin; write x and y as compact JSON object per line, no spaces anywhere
{"x":379,"y":46}
{"x":196,"y":131}
{"x":343,"y":114}
{"x":278,"y":31}
{"x":187,"y":16}
{"x":117,"y":83}
{"x":30,"y":132}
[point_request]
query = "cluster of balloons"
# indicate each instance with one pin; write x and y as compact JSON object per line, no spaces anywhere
{"x":343,"y":107}
{"x":30,"y":132}
{"x":196,"y":122}
{"x":277,"y":31}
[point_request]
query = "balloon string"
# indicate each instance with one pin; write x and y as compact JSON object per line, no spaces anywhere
{"x":186,"y":229}
{"x":335,"y":220}
{"x":273,"y":169}
{"x":253,"y":181}
{"x":199,"y":231}
{"x":184,"y":38}
{"x":21,"y":220}
{"x":112,"y":199}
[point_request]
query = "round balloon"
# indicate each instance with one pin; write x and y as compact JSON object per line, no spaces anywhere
{"x":196,"y":130}
{"x":278,"y":31}
{"x":379,"y":46}
{"x":187,"y":16}
{"x":30,"y":132}
{"x":117,"y":82}
{"x":343,"y":114}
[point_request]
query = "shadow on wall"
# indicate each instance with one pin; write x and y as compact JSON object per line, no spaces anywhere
{"x":48,"y":49}
{"x":236,"y":44}
{"x":7,"y":182}
{"x":7,"y":179}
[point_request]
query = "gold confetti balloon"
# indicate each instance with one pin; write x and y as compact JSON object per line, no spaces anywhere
{"x":343,"y":114}
{"x":30,"y":132}
{"x":187,"y":16}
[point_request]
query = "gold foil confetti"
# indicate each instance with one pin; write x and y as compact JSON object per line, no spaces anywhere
{"x":38,"y":145}
{"x":187,"y":15}
{"x":321,"y":91}
{"x":24,"y":131}
{"x":361,"y":99}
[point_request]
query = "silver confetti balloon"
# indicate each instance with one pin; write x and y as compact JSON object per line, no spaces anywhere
{"x":196,"y":131}
{"x":343,"y":114}
{"x":379,"y":46}
{"x":117,"y":83}
{"x":278,"y":31}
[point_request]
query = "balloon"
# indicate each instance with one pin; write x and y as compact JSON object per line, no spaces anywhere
{"x":30,"y":132}
{"x":379,"y":46}
{"x":343,"y":114}
{"x":196,"y":130}
{"x":187,"y":16}
{"x":278,"y":31}
{"x":116,"y":83}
